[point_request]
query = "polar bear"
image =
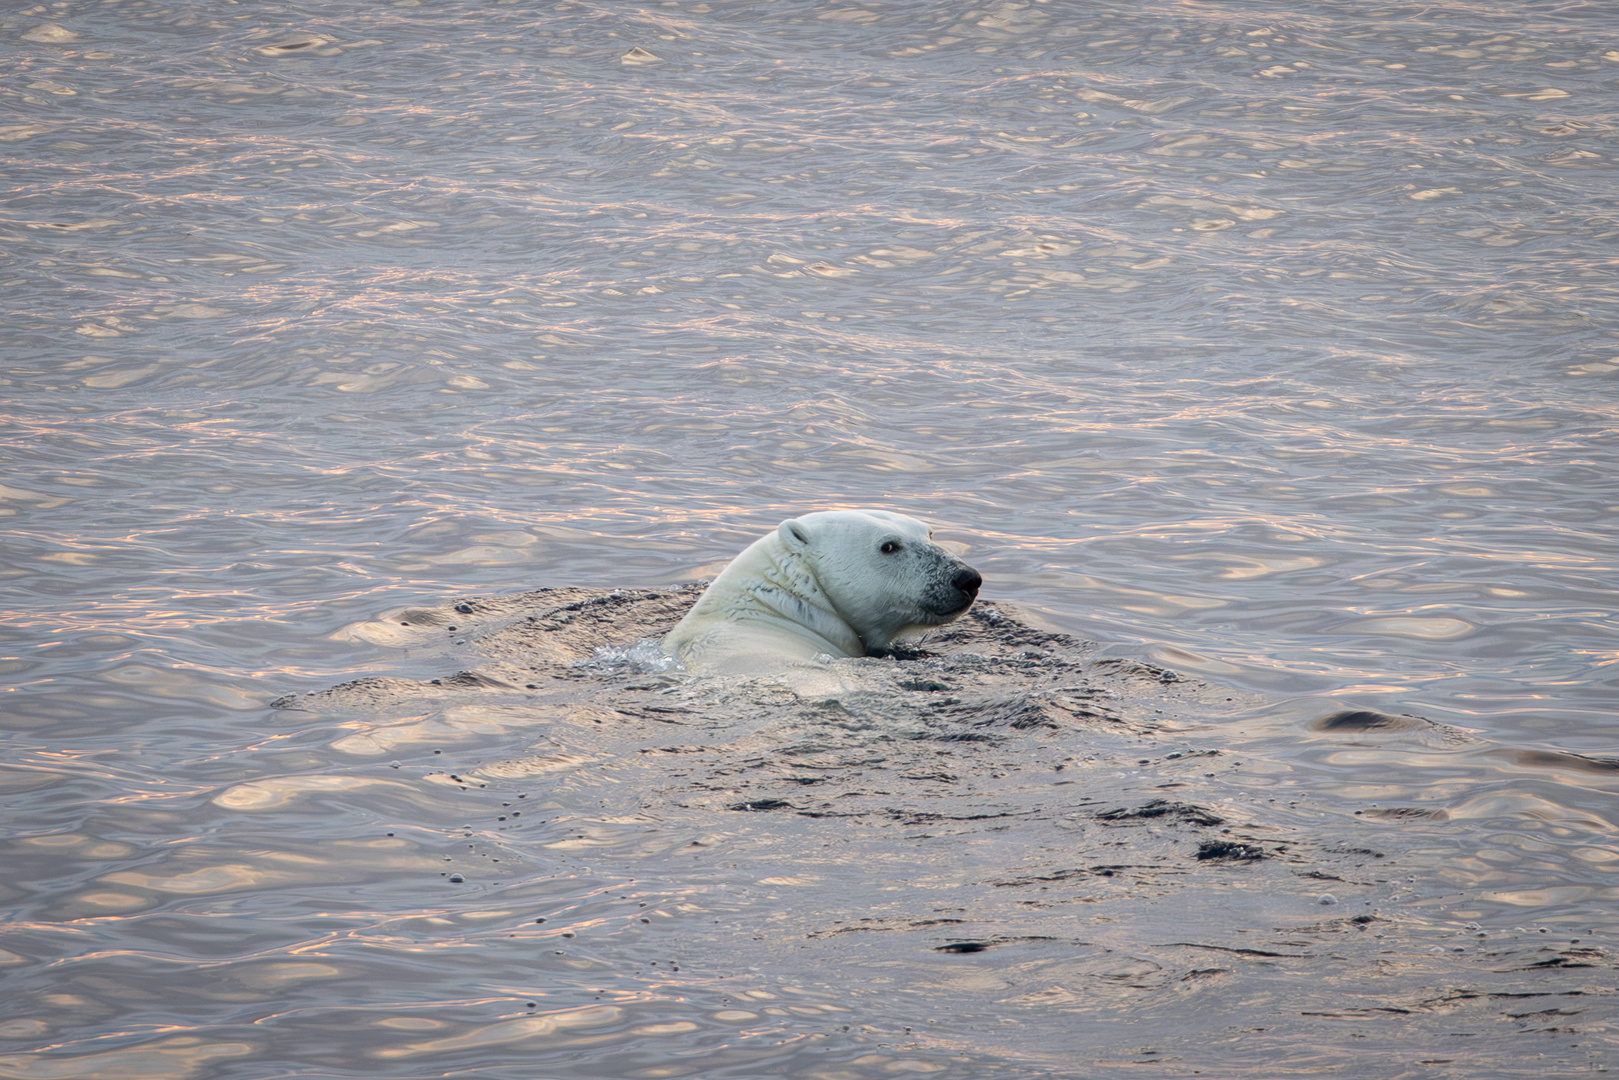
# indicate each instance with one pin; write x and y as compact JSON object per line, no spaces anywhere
{"x":836,"y":583}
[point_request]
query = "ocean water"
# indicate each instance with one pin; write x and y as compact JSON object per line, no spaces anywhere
{"x":1275,"y":345}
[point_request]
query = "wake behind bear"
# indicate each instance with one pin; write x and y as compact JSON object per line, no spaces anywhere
{"x":833,"y":583}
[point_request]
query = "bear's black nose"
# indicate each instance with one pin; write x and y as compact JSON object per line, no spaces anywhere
{"x":967,"y":580}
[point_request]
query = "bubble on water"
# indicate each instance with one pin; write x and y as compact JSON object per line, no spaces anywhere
{"x":1326,"y":898}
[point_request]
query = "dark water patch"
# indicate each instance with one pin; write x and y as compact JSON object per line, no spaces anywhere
{"x":980,"y":946}
{"x":1059,"y":875}
{"x":763,"y":804}
{"x":1408,"y":813}
{"x":1231,"y":850}
{"x":1367,"y":720}
{"x":1581,"y":763}
{"x":1571,"y":958}
{"x":1160,"y":808}
{"x":1239,"y":952}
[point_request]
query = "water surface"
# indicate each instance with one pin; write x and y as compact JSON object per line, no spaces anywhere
{"x":1269,"y":344}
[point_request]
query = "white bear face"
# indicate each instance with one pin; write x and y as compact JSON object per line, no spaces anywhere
{"x":881,"y":572}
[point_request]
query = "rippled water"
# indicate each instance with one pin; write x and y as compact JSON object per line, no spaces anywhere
{"x":1269,"y":344}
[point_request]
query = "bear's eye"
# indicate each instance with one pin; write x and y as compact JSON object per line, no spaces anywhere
{"x":889,"y":547}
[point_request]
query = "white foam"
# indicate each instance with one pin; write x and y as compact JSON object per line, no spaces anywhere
{"x":645,"y":657}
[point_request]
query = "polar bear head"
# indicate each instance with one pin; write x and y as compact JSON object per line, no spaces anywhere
{"x":881,"y":572}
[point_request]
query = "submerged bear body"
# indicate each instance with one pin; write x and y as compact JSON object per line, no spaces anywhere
{"x":833,"y":583}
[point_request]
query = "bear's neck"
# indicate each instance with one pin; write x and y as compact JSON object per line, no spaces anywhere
{"x":785,"y":592}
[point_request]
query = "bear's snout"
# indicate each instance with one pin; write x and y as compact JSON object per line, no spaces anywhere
{"x":967,"y":580}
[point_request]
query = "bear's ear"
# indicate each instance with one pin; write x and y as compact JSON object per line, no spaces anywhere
{"x":793,"y":534}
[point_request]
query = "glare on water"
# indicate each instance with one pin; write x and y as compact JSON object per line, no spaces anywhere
{"x":1271,"y":346}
